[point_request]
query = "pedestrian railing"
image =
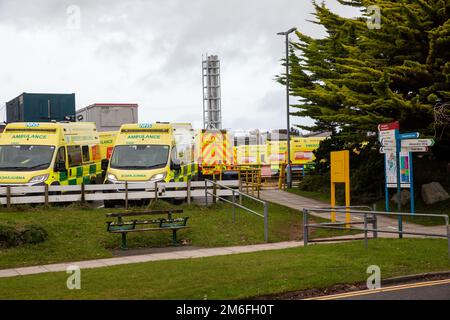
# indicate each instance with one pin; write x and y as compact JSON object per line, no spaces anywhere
{"x":216,"y":191}
{"x":45,"y":194}
{"x":369,"y":217}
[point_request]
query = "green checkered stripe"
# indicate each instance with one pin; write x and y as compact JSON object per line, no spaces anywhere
{"x":187,"y":172}
{"x":81,"y":174}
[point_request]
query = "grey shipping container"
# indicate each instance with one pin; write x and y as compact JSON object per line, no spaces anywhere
{"x":41,"y":107}
{"x":109,"y":116}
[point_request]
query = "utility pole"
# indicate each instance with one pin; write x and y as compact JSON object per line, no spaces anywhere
{"x":288,"y":166}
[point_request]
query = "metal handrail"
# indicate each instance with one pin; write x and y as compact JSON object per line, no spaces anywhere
{"x":344,"y":207}
{"x":337,"y":209}
{"x":374,"y":229}
{"x":234,"y":204}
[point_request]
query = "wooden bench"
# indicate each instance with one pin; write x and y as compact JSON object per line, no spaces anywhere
{"x":135,"y":225}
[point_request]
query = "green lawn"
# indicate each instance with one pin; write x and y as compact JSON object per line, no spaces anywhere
{"x":239,"y":276}
{"x":77,"y":233}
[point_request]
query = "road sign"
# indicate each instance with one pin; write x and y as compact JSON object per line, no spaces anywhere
{"x":409,"y":135}
{"x":391,"y":169}
{"x":387,"y":149}
{"x":418,"y":143}
{"x":405,"y":170}
{"x":388,"y":142}
{"x":389,"y":126}
{"x":414,"y":149}
{"x":388,"y":133}
{"x":398,"y":161}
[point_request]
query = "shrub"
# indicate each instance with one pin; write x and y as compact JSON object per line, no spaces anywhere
{"x":34,"y":234}
{"x":11,"y":236}
{"x":315,"y":183}
{"x":8,"y":236}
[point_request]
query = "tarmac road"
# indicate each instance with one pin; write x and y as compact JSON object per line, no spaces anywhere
{"x":430,"y":290}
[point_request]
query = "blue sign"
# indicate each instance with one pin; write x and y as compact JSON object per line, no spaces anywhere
{"x":409,"y":135}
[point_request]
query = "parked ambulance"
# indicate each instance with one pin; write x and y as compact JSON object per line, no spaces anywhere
{"x":215,"y":153}
{"x":107,"y":139}
{"x":302,"y":149}
{"x":152,"y":152}
{"x":50,"y":153}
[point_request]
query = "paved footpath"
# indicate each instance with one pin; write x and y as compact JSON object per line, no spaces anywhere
{"x":298,"y":202}
{"x":174,"y":255}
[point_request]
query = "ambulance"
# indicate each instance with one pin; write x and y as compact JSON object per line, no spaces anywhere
{"x":251,"y":155}
{"x":215,"y":153}
{"x":152,"y":152}
{"x":302,"y":149}
{"x":276,"y":153}
{"x":65,"y":153}
{"x":107,"y":139}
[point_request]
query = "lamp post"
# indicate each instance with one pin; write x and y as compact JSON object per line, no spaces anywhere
{"x":288,"y":167}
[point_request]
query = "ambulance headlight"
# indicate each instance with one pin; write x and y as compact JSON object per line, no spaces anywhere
{"x":158,"y":176}
{"x":111,"y":177}
{"x":39,"y":179}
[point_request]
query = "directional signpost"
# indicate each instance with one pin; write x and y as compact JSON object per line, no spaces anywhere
{"x":398,"y":149}
{"x":418,"y":143}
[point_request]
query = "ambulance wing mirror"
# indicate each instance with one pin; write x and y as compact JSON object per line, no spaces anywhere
{"x":60,"y":166}
{"x":175,"y":166}
{"x":105,"y":164}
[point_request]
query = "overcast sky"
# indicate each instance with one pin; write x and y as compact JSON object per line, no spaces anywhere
{"x":150,"y":52}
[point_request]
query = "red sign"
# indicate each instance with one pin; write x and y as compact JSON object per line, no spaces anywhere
{"x":389,"y":126}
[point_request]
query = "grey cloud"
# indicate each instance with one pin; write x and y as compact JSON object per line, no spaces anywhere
{"x":149,"y":52}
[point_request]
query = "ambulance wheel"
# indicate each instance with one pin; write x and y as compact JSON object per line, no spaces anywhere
{"x":176,"y":201}
{"x":108,"y":204}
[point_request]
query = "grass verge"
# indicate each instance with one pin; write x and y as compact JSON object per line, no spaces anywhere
{"x":239,"y":276}
{"x":79,"y":233}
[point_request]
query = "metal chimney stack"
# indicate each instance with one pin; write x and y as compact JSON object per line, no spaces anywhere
{"x":212,"y":112}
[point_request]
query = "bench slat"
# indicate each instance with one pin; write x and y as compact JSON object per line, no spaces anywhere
{"x":150,"y":229}
{"x":152,"y":212}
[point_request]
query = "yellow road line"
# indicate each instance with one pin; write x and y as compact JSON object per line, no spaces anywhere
{"x":387,"y":289}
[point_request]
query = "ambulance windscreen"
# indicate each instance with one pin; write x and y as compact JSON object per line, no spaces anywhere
{"x":25,"y":157}
{"x":140,"y":157}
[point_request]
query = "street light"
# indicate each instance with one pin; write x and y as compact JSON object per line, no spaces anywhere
{"x":288,"y":167}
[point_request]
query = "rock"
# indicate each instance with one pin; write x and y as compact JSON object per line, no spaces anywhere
{"x":405,"y":196}
{"x":433,"y":192}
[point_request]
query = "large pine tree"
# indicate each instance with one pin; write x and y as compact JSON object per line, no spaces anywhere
{"x":357,"y":77}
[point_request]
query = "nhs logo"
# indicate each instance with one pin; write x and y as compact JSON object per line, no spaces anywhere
{"x":145,"y":125}
{"x":31,"y":125}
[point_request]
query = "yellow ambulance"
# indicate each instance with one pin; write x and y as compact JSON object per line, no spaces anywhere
{"x":107,"y":139}
{"x":276,"y":152}
{"x":50,"y":153}
{"x":215,"y":152}
{"x":152,"y":152}
{"x":251,"y":155}
{"x":302,"y":149}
